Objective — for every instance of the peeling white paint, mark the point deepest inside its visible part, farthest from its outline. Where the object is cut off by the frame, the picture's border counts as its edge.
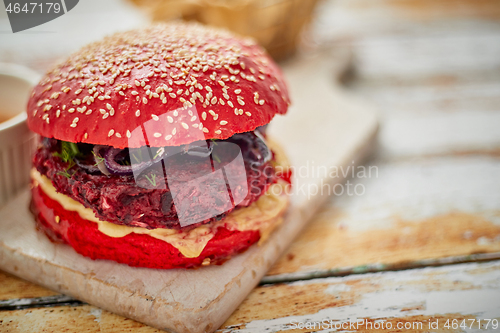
(335, 289)
(415, 191)
(399, 290)
(96, 312)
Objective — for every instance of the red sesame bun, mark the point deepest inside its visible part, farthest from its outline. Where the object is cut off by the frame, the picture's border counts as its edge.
(179, 82)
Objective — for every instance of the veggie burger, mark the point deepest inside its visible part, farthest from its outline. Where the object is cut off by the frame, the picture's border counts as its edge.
(153, 149)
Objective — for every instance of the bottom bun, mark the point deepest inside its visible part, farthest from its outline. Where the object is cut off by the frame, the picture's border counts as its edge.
(143, 250)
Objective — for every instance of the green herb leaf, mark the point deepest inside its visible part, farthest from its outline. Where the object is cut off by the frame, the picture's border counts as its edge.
(152, 180)
(159, 152)
(98, 159)
(69, 150)
(66, 174)
(132, 154)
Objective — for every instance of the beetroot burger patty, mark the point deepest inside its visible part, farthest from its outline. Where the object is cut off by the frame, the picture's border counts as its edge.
(153, 149)
(121, 199)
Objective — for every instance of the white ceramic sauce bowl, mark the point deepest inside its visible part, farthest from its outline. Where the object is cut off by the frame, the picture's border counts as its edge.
(16, 140)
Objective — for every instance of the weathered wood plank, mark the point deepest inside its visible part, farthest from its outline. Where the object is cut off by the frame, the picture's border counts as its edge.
(39, 302)
(369, 18)
(466, 291)
(407, 211)
(86, 318)
(431, 68)
(12, 287)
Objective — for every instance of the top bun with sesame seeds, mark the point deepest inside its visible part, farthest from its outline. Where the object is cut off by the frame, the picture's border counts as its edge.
(172, 84)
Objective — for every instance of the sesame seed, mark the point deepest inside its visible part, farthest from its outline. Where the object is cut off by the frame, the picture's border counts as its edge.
(111, 132)
(118, 135)
(204, 115)
(137, 113)
(223, 122)
(174, 131)
(205, 129)
(193, 118)
(145, 100)
(168, 137)
(184, 125)
(230, 104)
(248, 114)
(157, 135)
(155, 117)
(218, 132)
(237, 91)
(106, 115)
(71, 110)
(261, 102)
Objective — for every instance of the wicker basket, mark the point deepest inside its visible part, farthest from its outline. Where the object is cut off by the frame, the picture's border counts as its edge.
(275, 24)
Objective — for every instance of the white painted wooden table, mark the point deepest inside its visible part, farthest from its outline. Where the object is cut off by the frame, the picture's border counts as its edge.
(422, 243)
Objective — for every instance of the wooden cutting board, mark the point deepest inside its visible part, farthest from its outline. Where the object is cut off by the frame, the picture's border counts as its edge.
(325, 127)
